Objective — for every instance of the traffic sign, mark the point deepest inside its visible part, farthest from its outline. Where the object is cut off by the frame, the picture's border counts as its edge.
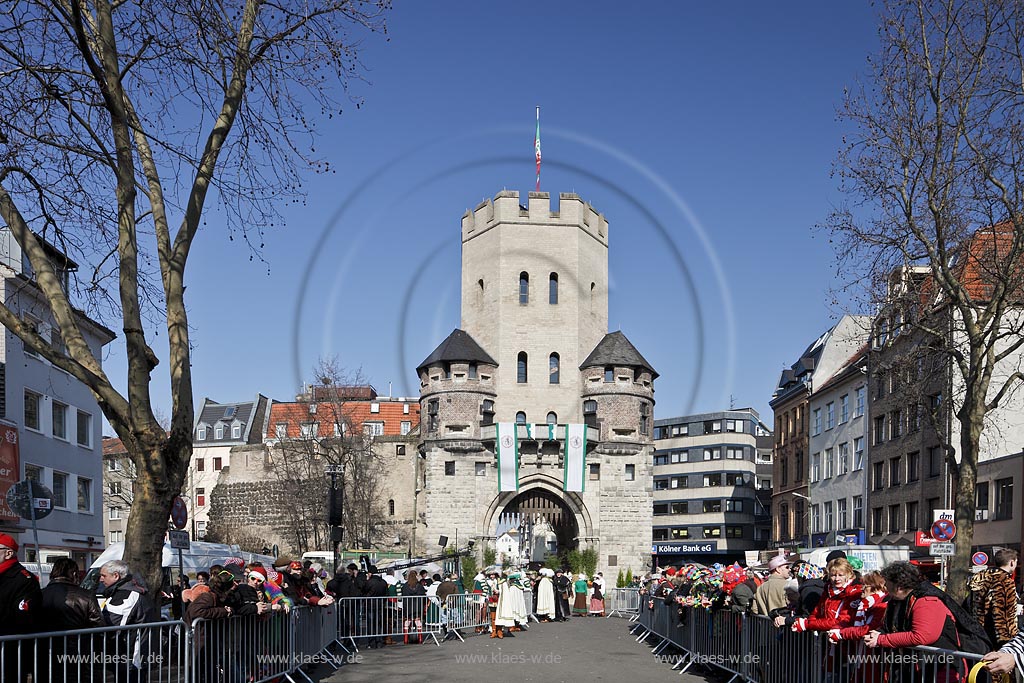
(944, 530)
(942, 549)
(18, 497)
(980, 559)
(179, 540)
(943, 514)
(179, 513)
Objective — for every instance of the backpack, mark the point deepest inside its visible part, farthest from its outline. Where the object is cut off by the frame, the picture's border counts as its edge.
(972, 636)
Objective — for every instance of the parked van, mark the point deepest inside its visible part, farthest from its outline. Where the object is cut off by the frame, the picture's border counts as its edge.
(874, 557)
(197, 558)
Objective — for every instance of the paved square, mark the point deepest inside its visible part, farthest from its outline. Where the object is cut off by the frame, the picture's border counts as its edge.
(584, 649)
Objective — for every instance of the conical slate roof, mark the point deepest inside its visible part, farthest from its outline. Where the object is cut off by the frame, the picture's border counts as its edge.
(615, 349)
(457, 347)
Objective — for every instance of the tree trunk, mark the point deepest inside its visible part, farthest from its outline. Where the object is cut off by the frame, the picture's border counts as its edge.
(971, 418)
(154, 490)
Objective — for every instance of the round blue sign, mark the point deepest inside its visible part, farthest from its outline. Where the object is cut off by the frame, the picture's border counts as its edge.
(979, 559)
(943, 530)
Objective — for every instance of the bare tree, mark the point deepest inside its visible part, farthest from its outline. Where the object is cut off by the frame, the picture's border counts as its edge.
(331, 434)
(934, 176)
(121, 120)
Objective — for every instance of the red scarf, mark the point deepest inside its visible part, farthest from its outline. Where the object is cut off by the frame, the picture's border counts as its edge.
(7, 564)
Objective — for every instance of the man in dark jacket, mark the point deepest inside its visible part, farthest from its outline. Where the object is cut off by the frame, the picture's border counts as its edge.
(376, 591)
(65, 604)
(125, 602)
(562, 587)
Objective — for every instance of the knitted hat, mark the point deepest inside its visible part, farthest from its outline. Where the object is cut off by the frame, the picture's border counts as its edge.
(806, 570)
(8, 542)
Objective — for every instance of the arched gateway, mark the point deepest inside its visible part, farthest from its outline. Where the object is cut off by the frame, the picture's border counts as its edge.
(541, 501)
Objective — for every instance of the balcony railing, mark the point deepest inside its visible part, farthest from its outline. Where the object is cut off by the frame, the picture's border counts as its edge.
(535, 432)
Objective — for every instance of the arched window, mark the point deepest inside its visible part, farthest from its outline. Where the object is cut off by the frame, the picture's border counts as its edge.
(391, 507)
(552, 418)
(553, 288)
(520, 418)
(524, 287)
(521, 368)
(553, 368)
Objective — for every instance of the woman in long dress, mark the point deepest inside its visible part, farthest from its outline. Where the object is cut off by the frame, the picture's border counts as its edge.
(597, 597)
(579, 587)
(545, 595)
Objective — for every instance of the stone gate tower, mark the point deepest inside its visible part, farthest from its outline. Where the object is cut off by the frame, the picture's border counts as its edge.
(534, 348)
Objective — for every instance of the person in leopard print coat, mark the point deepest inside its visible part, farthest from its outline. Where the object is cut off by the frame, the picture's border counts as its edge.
(994, 597)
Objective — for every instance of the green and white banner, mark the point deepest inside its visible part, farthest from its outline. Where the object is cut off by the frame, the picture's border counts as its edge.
(540, 432)
(574, 474)
(507, 445)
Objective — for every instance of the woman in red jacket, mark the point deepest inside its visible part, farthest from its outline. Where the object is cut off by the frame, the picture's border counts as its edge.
(836, 609)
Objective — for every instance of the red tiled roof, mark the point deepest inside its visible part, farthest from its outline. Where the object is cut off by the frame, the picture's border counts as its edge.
(352, 413)
(113, 446)
(985, 261)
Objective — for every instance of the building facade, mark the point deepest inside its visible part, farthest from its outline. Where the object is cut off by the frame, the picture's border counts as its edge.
(839, 449)
(57, 418)
(706, 503)
(534, 349)
(791, 406)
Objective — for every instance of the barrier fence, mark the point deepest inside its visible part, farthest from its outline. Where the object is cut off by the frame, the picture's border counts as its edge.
(622, 602)
(752, 649)
(276, 645)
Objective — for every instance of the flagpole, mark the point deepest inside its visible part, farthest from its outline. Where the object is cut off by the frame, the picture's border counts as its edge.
(536, 148)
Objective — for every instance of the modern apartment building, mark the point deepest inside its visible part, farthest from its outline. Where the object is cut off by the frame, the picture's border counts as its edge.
(706, 503)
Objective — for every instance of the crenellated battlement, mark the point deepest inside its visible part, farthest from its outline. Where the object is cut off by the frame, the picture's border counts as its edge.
(506, 208)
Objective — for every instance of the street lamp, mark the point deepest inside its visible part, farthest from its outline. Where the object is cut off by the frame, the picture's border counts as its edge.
(336, 508)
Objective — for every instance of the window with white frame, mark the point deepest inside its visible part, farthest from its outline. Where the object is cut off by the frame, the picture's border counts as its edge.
(817, 421)
(406, 427)
(858, 453)
(83, 429)
(844, 408)
(218, 432)
(830, 415)
(59, 424)
(734, 453)
(712, 454)
(374, 407)
(844, 457)
(236, 431)
(828, 516)
(116, 536)
(114, 513)
(373, 428)
(860, 397)
(815, 467)
(60, 490)
(827, 464)
(308, 430)
(816, 519)
(84, 494)
(841, 514)
(201, 433)
(281, 430)
(32, 401)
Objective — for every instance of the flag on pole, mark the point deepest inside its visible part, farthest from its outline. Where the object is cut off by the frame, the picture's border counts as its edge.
(508, 457)
(575, 460)
(536, 148)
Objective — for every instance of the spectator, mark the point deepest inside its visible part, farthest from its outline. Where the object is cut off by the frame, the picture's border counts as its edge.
(376, 588)
(742, 596)
(213, 603)
(916, 615)
(811, 580)
(994, 598)
(1009, 657)
(19, 592)
(870, 616)
(771, 594)
(211, 606)
(446, 588)
(839, 604)
(126, 603)
(65, 604)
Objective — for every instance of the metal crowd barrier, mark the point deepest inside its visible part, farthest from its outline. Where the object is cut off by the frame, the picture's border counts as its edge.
(465, 612)
(250, 648)
(622, 602)
(119, 654)
(371, 620)
(753, 650)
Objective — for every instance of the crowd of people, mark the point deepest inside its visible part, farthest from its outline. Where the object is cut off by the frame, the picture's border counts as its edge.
(896, 607)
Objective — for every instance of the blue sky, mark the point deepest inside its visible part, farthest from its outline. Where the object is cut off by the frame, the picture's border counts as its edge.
(705, 132)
